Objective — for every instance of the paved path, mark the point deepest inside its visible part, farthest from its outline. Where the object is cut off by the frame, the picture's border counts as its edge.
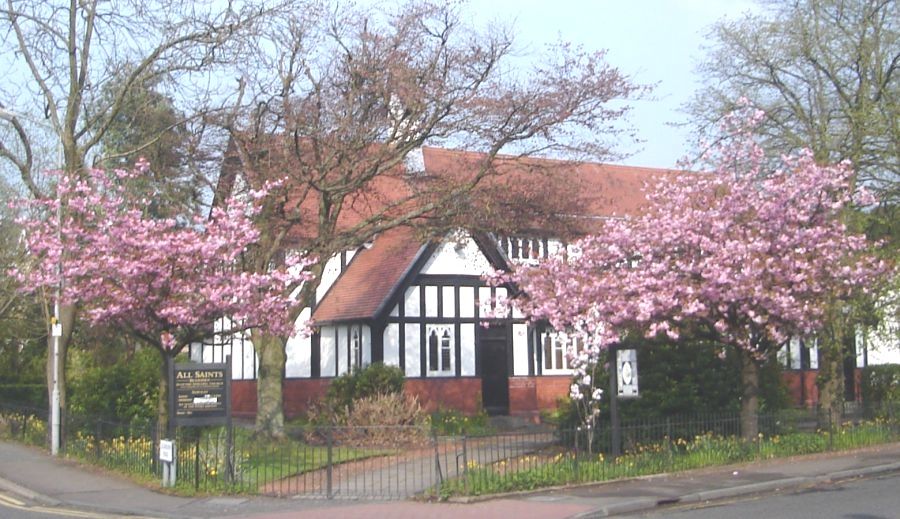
(38, 478)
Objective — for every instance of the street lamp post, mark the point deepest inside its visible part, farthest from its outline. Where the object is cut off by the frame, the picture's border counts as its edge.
(56, 330)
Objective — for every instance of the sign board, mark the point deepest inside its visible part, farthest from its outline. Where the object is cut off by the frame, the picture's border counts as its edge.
(166, 451)
(56, 330)
(626, 371)
(201, 393)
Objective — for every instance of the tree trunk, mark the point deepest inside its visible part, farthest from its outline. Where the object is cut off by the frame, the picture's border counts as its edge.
(830, 381)
(749, 395)
(269, 396)
(162, 401)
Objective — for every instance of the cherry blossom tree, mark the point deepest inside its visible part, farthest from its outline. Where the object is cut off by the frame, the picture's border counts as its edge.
(167, 281)
(748, 256)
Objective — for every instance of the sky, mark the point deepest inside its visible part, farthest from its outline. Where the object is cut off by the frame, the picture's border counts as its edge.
(653, 41)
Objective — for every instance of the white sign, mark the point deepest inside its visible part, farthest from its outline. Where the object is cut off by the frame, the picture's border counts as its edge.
(57, 330)
(626, 370)
(167, 451)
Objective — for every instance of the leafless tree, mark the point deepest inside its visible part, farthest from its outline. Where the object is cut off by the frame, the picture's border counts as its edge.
(73, 66)
(352, 94)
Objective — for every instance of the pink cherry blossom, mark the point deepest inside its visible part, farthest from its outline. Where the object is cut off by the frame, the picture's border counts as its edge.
(166, 280)
(750, 254)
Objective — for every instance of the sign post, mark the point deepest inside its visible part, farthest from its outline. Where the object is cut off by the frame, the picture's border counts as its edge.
(169, 467)
(199, 394)
(623, 383)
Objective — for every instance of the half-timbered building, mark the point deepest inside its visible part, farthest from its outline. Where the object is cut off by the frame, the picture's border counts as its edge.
(423, 304)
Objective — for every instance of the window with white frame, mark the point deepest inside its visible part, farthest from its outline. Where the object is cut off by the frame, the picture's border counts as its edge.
(440, 349)
(555, 347)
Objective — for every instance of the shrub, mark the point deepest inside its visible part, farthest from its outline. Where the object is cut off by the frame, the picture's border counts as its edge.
(379, 379)
(124, 392)
(374, 379)
(377, 420)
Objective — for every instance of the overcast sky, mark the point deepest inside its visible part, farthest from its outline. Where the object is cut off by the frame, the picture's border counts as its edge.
(654, 41)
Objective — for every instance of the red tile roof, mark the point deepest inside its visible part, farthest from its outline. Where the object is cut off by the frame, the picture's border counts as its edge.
(578, 191)
(370, 277)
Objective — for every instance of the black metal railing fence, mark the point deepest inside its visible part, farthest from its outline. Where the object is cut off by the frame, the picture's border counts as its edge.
(385, 462)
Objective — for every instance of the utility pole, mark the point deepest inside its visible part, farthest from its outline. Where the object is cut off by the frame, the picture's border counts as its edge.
(56, 330)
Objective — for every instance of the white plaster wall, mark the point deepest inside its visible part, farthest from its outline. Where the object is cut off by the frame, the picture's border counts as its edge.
(411, 356)
(411, 302)
(392, 344)
(329, 275)
(883, 341)
(449, 301)
(467, 349)
(341, 349)
(520, 349)
(467, 302)
(366, 333)
(484, 300)
(248, 360)
(299, 350)
(327, 353)
(458, 254)
(431, 301)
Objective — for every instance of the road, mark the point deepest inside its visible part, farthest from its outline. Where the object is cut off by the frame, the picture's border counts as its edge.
(869, 498)
(12, 507)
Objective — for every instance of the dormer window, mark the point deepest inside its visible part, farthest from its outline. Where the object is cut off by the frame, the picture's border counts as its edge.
(524, 247)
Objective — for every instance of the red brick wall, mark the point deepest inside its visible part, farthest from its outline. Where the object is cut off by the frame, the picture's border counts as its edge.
(463, 394)
(801, 386)
(243, 398)
(523, 399)
(527, 395)
(298, 393)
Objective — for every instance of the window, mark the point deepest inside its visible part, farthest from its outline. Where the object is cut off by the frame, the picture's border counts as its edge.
(555, 347)
(440, 349)
(522, 248)
(355, 349)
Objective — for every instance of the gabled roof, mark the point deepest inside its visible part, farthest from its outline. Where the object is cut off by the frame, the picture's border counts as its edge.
(370, 278)
(521, 194)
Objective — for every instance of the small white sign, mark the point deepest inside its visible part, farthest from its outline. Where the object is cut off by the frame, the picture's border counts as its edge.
(167, 450)
(626, 370)
(57, 330)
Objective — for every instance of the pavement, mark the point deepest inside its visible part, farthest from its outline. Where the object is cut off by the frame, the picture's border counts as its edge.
(30, 477)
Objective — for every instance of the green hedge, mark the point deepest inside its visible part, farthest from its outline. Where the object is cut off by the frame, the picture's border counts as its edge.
(881, 384)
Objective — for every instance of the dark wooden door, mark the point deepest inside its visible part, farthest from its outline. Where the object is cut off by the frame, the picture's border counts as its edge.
(494, 347)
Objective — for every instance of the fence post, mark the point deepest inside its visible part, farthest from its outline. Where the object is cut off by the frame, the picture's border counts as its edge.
(575, 466)
(439, 478)
(669, 441)
(830, 430)
(98, 433)
(465, 465)
(329, 441)
(229, 452)
(197, 462)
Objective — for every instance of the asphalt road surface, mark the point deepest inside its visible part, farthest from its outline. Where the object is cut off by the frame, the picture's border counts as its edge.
(869, 498)
(12, 507)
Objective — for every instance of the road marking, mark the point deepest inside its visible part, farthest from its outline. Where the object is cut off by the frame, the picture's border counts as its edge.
(11, 502)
